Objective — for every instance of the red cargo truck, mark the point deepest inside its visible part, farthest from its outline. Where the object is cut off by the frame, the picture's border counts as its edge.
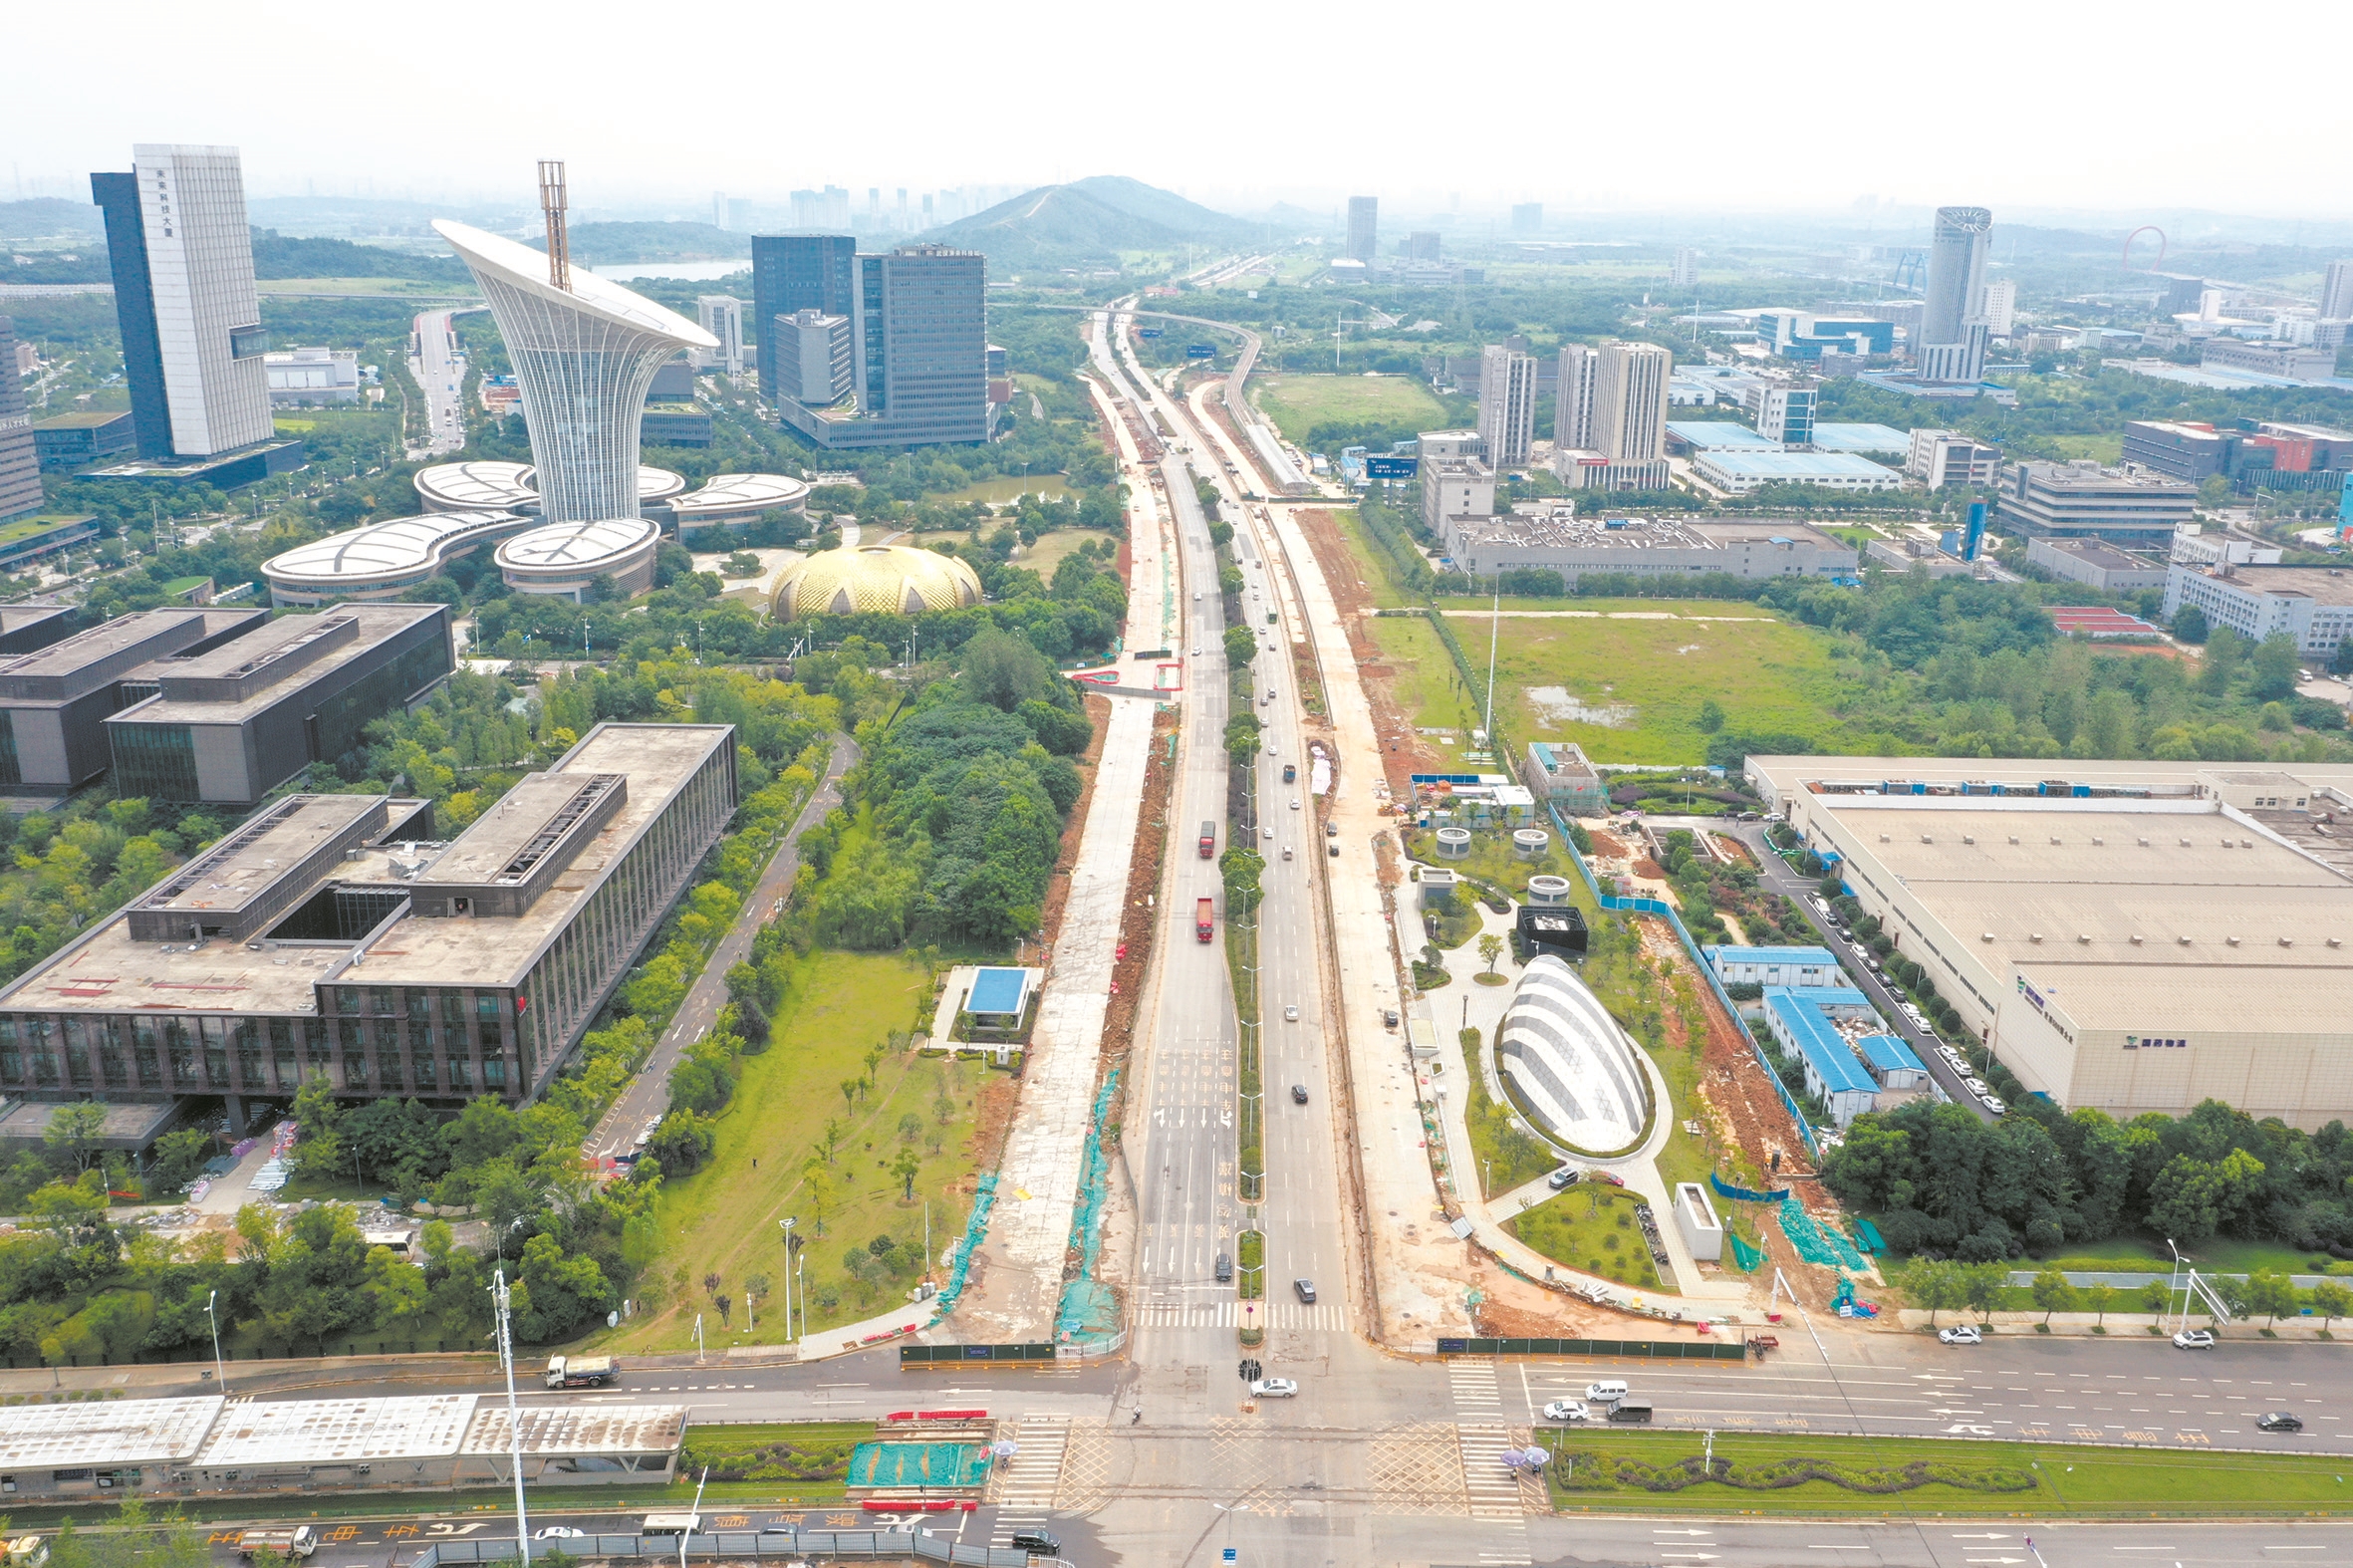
(1205, 919)
(1208, 840)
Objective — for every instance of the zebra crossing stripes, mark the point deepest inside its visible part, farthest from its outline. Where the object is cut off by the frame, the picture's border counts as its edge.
(1228, 1313)
(1492, 1485)
(1024, 1487)
(1475, 1393)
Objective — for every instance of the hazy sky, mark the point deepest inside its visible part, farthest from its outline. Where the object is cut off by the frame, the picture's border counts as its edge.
(2055, 102)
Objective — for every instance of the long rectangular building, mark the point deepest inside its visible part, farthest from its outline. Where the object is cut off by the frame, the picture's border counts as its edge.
(55, 699)
(337, 934)
(1559, 538)
(2131, 936)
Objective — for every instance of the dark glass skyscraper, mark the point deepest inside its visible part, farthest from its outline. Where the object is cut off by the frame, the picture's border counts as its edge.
(919, 336)
(793, 272)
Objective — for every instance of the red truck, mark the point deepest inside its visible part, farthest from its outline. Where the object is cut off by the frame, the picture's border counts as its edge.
(1205, 919)
(1208, 840)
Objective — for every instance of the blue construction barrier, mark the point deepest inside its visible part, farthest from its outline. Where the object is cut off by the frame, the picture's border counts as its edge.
(1615, 904)
(1725, 1189)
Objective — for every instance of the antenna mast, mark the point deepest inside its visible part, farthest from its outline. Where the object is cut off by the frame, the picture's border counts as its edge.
(552, 201)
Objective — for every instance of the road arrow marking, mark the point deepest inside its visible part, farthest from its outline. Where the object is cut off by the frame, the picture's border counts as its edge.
(1959, 1536)
(1974, 1432)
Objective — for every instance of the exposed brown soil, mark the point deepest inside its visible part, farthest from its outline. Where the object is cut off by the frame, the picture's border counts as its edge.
(1646, 867)
(1138, 918)
(1608, 846)
(1732, 849)
(992, 1119)
(1404, 753)
(1734, 1082)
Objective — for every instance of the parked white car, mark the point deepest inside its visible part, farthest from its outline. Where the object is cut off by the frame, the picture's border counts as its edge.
(1567, 1411)
(1963, 1334)
(2194, 1339)
(1274, 1389)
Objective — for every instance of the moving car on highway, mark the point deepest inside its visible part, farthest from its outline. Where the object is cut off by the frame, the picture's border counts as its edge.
(2194, 1339)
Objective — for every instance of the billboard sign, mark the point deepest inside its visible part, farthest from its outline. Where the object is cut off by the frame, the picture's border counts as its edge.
(1391, 468)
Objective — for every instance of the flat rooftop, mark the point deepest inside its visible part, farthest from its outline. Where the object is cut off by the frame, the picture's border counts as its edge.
(328, 1431)
(263, 662)
(109, 972)
(1832, 436)
(1747, 464)
(2095, 553)
(2327, 585)
(248, 864)
(112, 1434)
(101, 642)
(578, 1429)
(127, 1126)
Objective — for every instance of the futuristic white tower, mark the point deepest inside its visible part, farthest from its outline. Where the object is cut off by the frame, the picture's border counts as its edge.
(584, 352)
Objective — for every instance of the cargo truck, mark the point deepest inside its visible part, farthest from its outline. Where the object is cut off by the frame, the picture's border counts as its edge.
(1290, 772)
(297, 1541)
(581, 1372)
(1205, 919)
(1208, 840)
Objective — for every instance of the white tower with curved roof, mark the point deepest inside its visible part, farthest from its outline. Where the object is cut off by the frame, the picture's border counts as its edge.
(584, 357)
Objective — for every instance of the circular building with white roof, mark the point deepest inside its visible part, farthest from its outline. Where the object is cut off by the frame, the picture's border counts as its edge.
(1570, 1065)
(875, 579)
(740, 498)
(658, 486)
(383, 560)
(563, 559)
(476, 487)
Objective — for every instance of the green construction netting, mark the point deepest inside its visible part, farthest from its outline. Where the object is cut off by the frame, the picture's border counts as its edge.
(1818, 1243)
(1745, 1258)
(1089, 1309)
(1866, 1236)
(917, 1464)
(960, 1262)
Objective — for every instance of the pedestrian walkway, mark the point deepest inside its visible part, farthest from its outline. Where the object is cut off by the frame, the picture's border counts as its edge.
(1228, 1313)
(1023, 1486)
(1493, 1488)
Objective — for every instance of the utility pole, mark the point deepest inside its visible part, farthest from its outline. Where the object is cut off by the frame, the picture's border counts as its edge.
(514, 1420)
(1494, 630)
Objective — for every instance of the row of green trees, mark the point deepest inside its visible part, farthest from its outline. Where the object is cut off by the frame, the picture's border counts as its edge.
(1942, 1285)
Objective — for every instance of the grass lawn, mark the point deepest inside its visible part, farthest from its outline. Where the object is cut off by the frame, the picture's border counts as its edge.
(1592, 1228)
(1507, 1157)
(1492, 859)
(1366, 559)
(1048, 553)
(2107, 449)
(723, 1218)
(1631, 690)
(996, 492)
(2070, 1479)
(1297, 403)
(2138, 1254)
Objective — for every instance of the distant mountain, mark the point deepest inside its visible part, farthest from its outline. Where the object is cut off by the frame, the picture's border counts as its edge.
(275, 255)
(50, 218)
(1090, 221)
(610, 244)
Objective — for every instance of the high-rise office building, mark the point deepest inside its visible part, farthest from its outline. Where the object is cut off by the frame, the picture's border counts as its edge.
(1786, 414)
(1629, 402)
(1950, 347)
(20, 451)
(918, 344)
(2336, 292)
(1684, 273)
(813, 359)
(2002, 306)
(1572, 405)
(190, 318)
(718, 209)
(793, 272)
(1507, 404)
(721, 315)
(1364, 227)
(1527, 217)
(1421, 245)
(585, 351)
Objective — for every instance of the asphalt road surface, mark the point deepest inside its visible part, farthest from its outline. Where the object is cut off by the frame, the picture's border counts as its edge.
(642, 1103)
(439, 369)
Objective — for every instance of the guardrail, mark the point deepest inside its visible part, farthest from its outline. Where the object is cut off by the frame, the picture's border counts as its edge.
(780, 1543)
(1652, 1349)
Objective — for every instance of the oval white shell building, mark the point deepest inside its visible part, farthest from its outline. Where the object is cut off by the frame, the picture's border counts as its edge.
(563, 559)
(1570, 1063)
(739, 498)
(383, 560)
(484, 486)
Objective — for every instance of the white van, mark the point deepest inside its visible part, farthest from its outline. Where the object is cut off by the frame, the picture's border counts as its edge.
(1607, 1392)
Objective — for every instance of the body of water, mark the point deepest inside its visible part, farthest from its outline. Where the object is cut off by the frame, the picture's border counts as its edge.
(691, 270)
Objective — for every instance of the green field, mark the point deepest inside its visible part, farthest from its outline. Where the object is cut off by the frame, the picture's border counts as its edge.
(2069, 1480)
(1591, 1227)
(998, 492)
(723, 1218)
(1298, 404)
(1628, 690)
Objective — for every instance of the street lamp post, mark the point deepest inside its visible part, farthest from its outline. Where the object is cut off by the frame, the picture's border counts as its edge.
(220, 1373)
(787, 1225)
(514, 1420)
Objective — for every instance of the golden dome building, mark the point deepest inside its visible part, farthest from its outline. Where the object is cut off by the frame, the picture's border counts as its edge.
(875, 579)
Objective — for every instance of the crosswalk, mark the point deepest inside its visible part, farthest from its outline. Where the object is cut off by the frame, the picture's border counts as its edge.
(1023, 1488)
(1476, 1396)
(1228, 1313)
(1493, 1490)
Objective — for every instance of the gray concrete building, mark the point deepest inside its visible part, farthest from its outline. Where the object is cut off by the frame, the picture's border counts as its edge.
(20, 453)
(1455, 478)
(2082, 500)
(1553, 536)
(57, 695)
(1364, 227)
(341, 936)
(1507, 404)
(918, 344)
(2096, 565)
(231, 723)
(813, 361)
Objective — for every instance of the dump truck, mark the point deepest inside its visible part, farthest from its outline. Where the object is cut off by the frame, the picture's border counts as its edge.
(1205, 919)
(581, 1372)
(1290, 772)
(1208, 840)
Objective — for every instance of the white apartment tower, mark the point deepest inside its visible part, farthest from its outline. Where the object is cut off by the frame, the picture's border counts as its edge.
(721, 316)
(1629, 402)
(1572, 405)
(1950, 347)
(1684, 273)
(2002, 306)
(2336, 292)
(1507, 405)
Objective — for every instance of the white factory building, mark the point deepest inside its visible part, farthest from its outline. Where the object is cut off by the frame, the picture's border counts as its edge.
(1556, 536)
(2131, 936)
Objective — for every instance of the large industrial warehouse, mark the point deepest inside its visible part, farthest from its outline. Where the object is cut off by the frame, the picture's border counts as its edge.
(2131, 936)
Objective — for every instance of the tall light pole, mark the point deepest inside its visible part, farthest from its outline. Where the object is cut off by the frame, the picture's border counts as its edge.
(514, 1419)
(787, 1224)
(2169, 1289)
(220, 1374)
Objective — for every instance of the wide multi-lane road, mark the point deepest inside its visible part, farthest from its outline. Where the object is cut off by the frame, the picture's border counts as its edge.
(438, 367)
